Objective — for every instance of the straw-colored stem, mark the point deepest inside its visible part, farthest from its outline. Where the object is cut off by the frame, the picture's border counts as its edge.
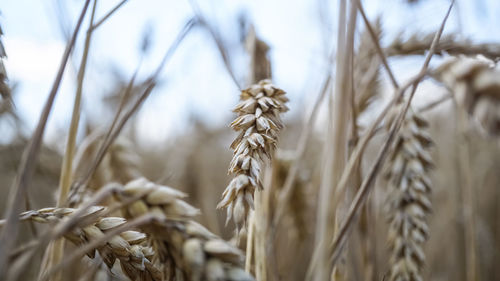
(468, 194)
(335, 144)
(30, 157)
(362, 193)
(56, 250)
(108, 15)
(249, 253)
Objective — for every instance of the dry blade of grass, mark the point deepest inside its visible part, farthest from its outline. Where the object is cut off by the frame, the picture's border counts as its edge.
(108, 15)
(113, 134)
(365, 83)
(218, 41)
(55, 251)
(30, 157)
(335, 144)
(375, 39)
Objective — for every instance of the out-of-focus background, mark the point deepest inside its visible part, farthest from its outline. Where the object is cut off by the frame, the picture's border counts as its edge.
(180, 135)
(300, 34)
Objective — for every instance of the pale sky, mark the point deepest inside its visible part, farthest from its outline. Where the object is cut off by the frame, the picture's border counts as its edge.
(195, 80)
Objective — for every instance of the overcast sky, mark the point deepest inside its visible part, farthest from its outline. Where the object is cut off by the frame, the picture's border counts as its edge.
(195, 81)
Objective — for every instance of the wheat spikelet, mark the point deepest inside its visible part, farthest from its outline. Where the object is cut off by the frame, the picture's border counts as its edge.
(409, 188)
(127, 247)
(258, 122)
(179, 242)
(476, 85)
(419, 44)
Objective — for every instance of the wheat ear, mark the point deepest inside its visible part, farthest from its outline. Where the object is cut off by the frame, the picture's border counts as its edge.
(409, 188)
(451, 44)
(258, 122)
(476, 85)
(182, 246)
(127, 247)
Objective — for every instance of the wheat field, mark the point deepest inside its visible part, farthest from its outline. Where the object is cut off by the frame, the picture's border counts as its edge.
(359, 183)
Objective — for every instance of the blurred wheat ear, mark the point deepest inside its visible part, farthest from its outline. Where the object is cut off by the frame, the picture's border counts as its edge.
(408, 191)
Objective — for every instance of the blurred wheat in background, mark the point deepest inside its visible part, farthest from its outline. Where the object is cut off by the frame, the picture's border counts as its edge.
(345, 140)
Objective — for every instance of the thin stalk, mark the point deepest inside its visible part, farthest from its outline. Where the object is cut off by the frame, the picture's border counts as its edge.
(30, 158)
(468, 195)
(334, 152)
(249, 253)
(377, 44)
(118, 126)
(55, 251)
(339, 241)
(300, 152)
(343, 93)
(109, 14)
(218, 41)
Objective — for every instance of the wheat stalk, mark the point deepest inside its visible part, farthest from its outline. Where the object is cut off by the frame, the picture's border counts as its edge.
(258, 123)
(183, 247)
(127, 247)
(409, 188)
(366, 82)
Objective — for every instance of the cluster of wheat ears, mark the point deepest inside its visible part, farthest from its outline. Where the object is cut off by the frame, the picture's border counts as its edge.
(123, 226)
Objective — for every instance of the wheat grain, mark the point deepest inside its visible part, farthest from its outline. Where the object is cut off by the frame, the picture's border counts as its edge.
(409, 188)
(258, 122)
